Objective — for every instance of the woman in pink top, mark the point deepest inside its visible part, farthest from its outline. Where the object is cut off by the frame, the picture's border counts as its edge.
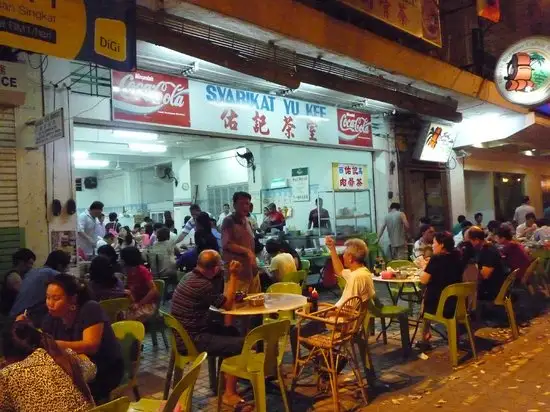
(146, 235)
(143, 291)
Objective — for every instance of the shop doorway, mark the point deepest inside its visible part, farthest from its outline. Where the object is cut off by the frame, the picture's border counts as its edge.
(509, 190)
(426, 196)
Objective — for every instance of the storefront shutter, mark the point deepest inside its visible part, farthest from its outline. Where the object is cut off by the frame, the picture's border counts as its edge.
(10, 234)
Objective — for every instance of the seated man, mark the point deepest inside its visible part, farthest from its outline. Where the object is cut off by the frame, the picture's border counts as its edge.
(358, 281)
(161, 256)
(32, 293)
(23, 261)
(489, 263)
(513, 253)
(527, 229)
(200, 289)
(281, 263)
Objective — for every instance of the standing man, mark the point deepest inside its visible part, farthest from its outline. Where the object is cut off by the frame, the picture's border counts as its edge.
(478, 217)
(226, 212)
(113, 223)
(319, 217)
(238, 243)
(87, 226)
(521, 211)
(195, 211)
(398, 225)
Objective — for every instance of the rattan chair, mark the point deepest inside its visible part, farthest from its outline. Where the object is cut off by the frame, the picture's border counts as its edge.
(341, 326)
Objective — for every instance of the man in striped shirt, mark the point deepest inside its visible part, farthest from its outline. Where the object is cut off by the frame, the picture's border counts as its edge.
(200, 289)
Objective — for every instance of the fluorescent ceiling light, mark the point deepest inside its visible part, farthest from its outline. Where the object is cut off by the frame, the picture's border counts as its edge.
(478, 145)
(147, 148)
(135, 134)
(90, 163)
(80, 155)
(528, 153)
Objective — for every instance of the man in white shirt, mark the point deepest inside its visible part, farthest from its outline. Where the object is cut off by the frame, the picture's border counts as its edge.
(521, 211)
(358, 282)
(528, 228)
(358, 278)
(281, 263)
(226, 212)
(87, 227)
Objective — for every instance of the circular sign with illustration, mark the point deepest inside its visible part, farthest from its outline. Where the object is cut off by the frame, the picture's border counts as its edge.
(522, 74)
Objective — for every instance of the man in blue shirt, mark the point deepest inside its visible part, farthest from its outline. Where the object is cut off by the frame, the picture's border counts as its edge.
(32, 294)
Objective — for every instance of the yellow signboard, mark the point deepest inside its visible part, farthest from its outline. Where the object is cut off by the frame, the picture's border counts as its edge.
(94, 30)
(417, 17)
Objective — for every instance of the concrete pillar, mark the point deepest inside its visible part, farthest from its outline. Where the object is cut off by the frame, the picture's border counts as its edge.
(183, 193)
(457, 190)
(31, 168)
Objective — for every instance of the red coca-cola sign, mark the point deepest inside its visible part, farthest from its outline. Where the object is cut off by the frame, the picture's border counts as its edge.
(151, 98)
(354, 128)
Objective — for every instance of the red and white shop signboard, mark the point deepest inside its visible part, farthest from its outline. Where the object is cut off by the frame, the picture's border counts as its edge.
(151, 98)
(354, 128)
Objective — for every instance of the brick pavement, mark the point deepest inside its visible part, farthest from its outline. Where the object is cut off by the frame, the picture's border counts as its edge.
(504, 378)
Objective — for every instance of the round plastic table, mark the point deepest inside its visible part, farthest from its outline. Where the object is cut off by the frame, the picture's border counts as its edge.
(274, 302)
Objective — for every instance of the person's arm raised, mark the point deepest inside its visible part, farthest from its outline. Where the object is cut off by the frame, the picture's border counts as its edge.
(336, 262)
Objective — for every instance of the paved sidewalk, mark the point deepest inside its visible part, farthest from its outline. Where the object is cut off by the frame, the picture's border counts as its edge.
(507, 376)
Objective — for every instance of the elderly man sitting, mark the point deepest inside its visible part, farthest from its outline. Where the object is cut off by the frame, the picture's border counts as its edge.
(201, 288)
(358, 282)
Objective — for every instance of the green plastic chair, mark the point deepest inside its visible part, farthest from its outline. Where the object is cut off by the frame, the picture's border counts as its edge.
(256, 366)
(118, 405)
(504, 299)
(156, 323)
(130, 334)
(306, 265)
(179, 361)
(375, 309)
(114, 307)
(182, 393)
(461, 291)
(298, 277)
(283, 287)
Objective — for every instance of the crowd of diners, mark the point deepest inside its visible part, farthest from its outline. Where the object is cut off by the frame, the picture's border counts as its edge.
(55, 326)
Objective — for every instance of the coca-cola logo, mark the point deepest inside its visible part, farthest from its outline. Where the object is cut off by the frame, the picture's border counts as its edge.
(160, 93)
(351, 124)
(355, 128)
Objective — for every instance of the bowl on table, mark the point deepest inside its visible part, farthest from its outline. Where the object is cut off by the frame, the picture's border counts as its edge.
(256, 301)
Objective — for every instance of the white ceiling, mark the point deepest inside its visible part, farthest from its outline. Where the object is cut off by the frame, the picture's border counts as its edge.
(102, 144)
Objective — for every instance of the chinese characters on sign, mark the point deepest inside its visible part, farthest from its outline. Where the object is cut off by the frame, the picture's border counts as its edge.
(300, 185)
(348, 177)
(417, 17)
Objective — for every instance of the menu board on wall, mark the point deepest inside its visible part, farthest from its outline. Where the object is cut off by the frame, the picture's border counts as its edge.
(349, 177)
(300, 184)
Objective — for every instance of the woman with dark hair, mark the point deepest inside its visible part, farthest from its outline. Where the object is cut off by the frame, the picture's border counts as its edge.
(492, 228)
(103, 282)
(204, 238)
(284, 247)
(78, 323)
(444, 268)
(40, 376)
(125, 238)
(143, 291)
